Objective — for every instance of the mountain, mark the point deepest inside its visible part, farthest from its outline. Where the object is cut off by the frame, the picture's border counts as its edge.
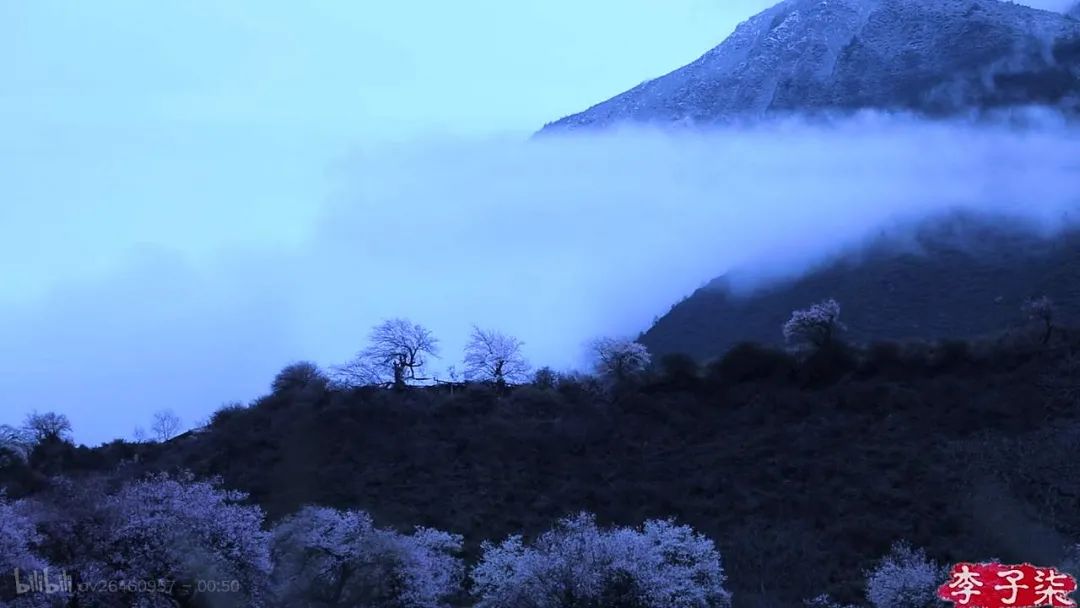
(934, 57)
(956, 279)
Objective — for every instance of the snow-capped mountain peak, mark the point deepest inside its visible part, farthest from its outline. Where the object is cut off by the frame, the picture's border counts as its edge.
(933, 56)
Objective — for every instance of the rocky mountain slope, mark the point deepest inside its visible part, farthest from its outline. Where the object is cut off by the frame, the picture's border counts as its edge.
(935, 57)
(957, 279)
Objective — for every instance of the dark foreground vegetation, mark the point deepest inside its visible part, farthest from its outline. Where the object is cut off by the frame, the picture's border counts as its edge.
(804, 469)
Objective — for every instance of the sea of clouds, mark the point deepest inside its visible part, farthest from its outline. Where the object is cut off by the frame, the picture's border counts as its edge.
(187, 301)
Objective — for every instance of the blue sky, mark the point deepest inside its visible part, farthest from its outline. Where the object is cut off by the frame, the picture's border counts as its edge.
(363, 68)
(196, 193)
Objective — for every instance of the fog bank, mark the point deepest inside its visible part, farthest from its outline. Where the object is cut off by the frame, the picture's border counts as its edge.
(555, 240)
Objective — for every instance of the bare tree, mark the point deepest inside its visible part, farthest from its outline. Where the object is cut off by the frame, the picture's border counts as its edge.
(397, 355)
(1042, 311)
(817, 325)
(619, 358)
(490, 355)
(49, 426)
(166, 425)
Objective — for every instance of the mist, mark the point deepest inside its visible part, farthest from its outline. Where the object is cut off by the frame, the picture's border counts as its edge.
(555, 240)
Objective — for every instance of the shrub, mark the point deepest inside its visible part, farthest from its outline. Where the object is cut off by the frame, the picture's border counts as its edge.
(533, 401)
(827, 365)
(951, 355)
(679, 370)
(580, 388)
(577, 565)
(545, 378)
(227, 413)
(882, 358)
(302, 375)
(747, 362)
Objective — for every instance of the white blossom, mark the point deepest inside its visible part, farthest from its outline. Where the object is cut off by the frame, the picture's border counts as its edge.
(490, 355)
(182, 530)
(905, 578)
(661, 565)
(327, 557)
(619, 358)
(817, 325)
(18, 538)
(398, 354)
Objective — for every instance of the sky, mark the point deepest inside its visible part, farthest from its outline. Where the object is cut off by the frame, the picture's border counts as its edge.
(197, 193)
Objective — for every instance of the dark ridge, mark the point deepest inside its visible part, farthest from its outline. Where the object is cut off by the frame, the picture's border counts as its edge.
(953, 281)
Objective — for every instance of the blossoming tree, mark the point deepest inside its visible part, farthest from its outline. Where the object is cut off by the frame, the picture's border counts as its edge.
(660, 565)
(327, 557)
(816, 326)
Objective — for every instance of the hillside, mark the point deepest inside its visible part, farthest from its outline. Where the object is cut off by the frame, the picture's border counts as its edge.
(804, 56)
(954, 280)
(811, 467)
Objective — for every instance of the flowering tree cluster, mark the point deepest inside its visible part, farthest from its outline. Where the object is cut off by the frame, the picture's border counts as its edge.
(18, 536)
(196, 538)
(661, 565)
(618, 358)
(327, 557)
(816, 326)
(185, 530)
(157, 543)
(905, 578)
